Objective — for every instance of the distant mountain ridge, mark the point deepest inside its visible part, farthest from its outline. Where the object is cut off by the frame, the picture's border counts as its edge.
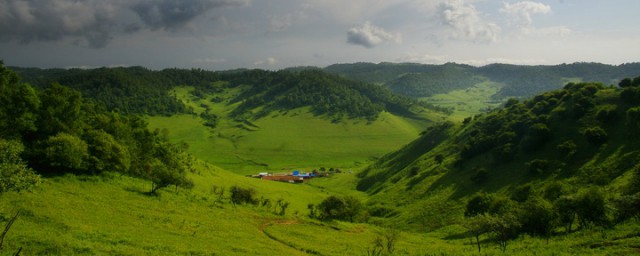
(422, 80)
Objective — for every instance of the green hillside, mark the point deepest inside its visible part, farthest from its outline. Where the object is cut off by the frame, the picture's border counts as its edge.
(286, 139)
(574, 147)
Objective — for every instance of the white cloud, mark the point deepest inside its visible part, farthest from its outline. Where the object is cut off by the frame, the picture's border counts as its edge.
(521, 12)
(520, 16)
(466, 22)
(266, 62)
(423, 58)
(369, 36)
(483, 62)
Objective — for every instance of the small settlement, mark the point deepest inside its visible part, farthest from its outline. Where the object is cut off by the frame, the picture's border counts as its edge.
(293, 177)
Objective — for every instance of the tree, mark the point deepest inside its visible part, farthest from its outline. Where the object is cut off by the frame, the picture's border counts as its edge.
(333, 207)
(18, 105)
(625, 83)
(537, 217)
(627, 207)
(478, 204)
(15, 175)
(504, 228)
(106, 154)
(566, 210)
(66, 152)
(161, 176)
(352, 207)
(635, 82)
(61, 111)
(596, 135)
(567, 149)
(477, 226)
(243, 195)
(591, 208)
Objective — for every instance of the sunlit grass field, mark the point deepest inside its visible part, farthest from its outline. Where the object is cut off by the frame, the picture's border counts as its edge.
(468, 102)
(112, 215)
(284, 141)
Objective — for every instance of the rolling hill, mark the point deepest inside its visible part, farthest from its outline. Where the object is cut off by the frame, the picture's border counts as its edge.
(561, 144)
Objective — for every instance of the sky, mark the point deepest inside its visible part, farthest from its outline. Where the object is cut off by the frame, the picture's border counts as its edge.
(274, 34)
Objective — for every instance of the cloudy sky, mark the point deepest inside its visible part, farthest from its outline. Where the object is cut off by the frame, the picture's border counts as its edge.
(272, 34)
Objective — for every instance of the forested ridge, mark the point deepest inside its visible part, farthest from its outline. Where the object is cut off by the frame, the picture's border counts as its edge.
(326, 94)
(131, 90)
(136, 90)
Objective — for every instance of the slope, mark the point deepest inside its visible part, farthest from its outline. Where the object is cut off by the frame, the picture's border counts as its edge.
(557, 144)
(285, 139)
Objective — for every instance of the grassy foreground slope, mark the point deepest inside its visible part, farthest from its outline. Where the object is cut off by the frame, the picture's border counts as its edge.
(111, 215)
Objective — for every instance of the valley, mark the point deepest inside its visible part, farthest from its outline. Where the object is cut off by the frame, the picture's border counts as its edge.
(415, 167)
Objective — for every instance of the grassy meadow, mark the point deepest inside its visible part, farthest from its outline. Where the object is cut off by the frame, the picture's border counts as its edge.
(468, 102)
(288, 140)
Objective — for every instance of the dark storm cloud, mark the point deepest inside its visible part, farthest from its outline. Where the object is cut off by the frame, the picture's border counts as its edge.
(171, 14)
(96, 22)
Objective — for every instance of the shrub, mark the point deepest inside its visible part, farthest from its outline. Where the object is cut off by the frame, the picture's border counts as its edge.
(537, 166)
(480, 175)
(66, 151)
(333, 207)
(243, 195)
(607, 114)
(596, 135)
(15, 175)
(478, 204)
(567, 148)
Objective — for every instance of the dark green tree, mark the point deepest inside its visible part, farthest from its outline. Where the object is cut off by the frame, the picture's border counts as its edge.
(478, 204)
(537, 217)
(19, 104)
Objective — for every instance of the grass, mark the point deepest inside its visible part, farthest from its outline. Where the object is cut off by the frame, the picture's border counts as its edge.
(286, 140)
(468, 102)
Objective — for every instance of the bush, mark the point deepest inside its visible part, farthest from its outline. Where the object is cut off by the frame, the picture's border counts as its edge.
(537, 166)
(480, 175)
(66, 151)
(479, 204)
(567, 148)
(333, 207)
(243, 195)
(607, 114)
(591, 208)
(537, 217)
(596, 135)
